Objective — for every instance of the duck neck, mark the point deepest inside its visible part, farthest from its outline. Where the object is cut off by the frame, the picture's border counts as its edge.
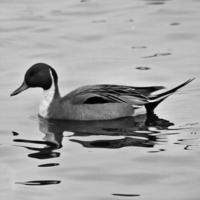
(52, 93)
(54, 85)
(50, 100)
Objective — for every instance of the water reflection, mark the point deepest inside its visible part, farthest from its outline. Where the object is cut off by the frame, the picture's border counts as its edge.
(126, 195)
(45, 152)
(132, 131)
(49, 165)
(39, 182)
(156, 2)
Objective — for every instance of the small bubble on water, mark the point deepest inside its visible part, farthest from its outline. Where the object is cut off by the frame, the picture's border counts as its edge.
(143, 68)
(131, 20)
(139, 47)
(175, 23)
(99, 21)
(15, 133)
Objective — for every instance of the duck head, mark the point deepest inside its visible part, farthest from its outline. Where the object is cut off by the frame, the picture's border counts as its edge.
(38, 75)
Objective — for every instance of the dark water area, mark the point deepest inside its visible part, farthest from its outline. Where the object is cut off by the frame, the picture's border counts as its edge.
(139, 43)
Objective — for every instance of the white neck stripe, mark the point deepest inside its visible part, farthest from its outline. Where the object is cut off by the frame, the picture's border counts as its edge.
(48, 96)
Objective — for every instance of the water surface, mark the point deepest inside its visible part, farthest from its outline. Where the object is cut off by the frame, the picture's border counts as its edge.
(140, 43)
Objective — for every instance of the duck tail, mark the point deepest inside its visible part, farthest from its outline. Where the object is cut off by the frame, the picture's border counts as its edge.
(157, 99)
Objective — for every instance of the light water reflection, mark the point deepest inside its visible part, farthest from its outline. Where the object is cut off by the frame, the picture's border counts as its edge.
(131, 131)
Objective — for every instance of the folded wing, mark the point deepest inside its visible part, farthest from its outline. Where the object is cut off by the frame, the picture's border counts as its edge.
(99, 94)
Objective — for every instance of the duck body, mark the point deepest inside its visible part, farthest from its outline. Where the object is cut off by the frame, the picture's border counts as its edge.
(80, 104)
(95, 102)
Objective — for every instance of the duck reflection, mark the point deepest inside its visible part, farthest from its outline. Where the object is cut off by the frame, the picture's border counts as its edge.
(45, 152)
(133, 131)
(130, 131)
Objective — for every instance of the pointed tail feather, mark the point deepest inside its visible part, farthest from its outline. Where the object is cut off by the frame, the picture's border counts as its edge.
(157, 99)
(148, 90)
(169, 92)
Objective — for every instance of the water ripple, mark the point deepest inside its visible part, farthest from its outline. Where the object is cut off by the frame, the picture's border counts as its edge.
(39, 182)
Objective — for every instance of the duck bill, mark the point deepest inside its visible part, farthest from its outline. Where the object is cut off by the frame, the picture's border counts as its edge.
(23, 87)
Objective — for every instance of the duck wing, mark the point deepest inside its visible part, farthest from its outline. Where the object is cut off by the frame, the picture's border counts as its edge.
(98, 94)
(134, 96)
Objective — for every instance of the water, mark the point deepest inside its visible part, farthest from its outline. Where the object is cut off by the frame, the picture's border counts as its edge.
(149, 42)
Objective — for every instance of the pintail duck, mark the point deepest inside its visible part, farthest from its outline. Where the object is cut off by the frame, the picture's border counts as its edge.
(95, 102)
